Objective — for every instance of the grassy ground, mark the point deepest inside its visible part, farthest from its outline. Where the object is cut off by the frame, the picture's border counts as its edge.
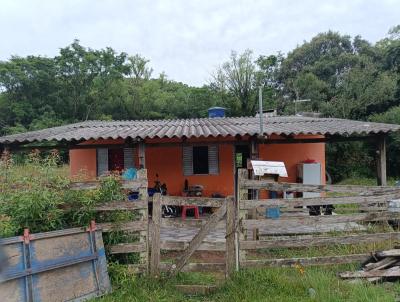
(275, 284)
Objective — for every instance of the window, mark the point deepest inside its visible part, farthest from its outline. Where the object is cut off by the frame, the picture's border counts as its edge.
(200, 160)
(116, 159)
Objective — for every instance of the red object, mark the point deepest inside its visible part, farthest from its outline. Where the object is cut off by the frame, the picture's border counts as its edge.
(196, 211)
(309, 161)
(27, 236)
(92, 226)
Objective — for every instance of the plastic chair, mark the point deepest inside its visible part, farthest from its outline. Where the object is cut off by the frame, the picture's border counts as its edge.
(196, 211)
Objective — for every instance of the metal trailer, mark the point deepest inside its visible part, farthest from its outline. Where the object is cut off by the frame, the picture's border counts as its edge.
(65, 265)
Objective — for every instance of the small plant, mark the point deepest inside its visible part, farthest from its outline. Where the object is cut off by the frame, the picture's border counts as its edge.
(110, 189)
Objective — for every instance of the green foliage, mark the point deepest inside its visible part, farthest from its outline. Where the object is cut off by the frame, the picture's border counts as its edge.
(347, 160)
(110, 189)
(35, 194)
(342, 76)
(391, 116)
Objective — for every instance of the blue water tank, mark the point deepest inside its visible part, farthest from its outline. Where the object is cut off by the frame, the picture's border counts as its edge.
(216, 112)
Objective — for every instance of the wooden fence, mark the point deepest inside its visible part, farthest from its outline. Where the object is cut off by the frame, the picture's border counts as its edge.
(139, 225)
(247, 229)
(296, 228)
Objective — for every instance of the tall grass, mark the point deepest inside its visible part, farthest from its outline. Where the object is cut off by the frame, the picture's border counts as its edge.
(252, 285)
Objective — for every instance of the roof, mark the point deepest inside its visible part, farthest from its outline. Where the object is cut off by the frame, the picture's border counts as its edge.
(202, 127)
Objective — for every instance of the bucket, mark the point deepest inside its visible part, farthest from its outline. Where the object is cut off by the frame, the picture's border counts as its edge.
(273, 213)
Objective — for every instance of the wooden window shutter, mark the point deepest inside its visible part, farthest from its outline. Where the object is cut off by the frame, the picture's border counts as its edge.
(102, 161)
(187, 153)
(129, 158)
(213, 162)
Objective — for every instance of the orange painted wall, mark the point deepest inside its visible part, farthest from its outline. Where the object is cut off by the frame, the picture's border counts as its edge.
(167, 163)
(82, 163)
(292, 154)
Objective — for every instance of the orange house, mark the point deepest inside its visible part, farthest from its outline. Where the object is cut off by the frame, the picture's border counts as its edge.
(165, 158)
(204, 151)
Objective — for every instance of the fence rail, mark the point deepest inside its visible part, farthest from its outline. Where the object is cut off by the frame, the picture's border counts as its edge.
(135, 184)
(317, 201)
(298, 187)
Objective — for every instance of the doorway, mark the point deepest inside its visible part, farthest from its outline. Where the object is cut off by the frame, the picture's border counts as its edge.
(242, 155)
(116, 159)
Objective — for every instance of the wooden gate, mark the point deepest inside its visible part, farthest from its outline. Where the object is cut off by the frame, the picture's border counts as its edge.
(226, 209)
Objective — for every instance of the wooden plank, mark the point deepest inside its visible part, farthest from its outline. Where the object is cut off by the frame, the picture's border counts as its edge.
(391, 272)
(388, 253)
(319, 241)
(195, 267)
(242, 214)
(313, 229)
(198, 239)
(126, 184)
(155, 235)
(198, 201)
(187, 223)
(193, 289)
(284, 262)
(292, 222)
(252, 213)
(125, 248)
(122, 206)
(182, 245)
(373, 209)
(385, 262)
(230, 254)
(318, 201)
(298, 187)
(132, 226)
(136, 184)
(179, 223)
(144, 213)
(381, 162)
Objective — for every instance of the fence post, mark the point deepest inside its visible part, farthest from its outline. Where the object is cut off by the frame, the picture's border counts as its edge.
(230, 257)
(242, 214)
(144, 213)
(381, 162)
(155, 236)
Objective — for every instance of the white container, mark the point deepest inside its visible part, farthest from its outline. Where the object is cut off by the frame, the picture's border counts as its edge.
(394, 205)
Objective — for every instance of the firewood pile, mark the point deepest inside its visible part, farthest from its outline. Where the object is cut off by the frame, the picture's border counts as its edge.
(381, 266)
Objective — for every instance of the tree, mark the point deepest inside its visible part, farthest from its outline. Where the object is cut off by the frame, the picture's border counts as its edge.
(87, 76)
(238, 77)
(138, 68)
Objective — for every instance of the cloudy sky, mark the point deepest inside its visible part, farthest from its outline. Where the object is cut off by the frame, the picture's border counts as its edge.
(186, 39)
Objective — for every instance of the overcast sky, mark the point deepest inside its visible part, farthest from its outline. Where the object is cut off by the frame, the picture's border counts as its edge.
(186, 39)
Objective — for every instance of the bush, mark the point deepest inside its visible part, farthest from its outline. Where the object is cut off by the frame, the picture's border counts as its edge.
(36, 195)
